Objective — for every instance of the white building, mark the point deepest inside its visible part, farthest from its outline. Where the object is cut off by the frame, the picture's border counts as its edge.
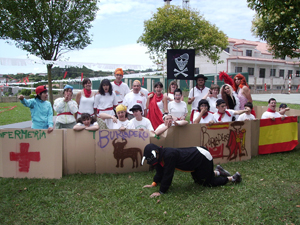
(255, 58)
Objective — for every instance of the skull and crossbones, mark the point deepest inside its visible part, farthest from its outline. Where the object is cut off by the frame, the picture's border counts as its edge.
(181, 62)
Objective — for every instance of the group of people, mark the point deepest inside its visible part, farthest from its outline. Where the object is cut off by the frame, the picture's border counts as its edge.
(115, 106)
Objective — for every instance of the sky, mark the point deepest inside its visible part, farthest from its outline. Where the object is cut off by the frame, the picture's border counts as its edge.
(120, 23)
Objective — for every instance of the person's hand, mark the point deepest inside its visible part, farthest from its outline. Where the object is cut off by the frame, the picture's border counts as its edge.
(272, 118)
(122, 128)
(148, 186)
(287, 109)
(142, 94)
(21, 97)
(192, 99)
(50, 129)
(169, 123)
(210, 123)
(282, 117)
(114, 119)
(155, 194)
(150, 96)
(182, 118)
(141, 129)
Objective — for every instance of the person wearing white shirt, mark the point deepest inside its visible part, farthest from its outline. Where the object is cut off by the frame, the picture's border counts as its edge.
(122, 121)
(86, 122)
(197, 93)
(65, 108)
(212, 97)
(168, 122)
(283, 108)
(271, 112)
(225, 115)
(247, 115)
(135, 98)
(203, 115)
(139, 122)
(177, 108)
(119, 88)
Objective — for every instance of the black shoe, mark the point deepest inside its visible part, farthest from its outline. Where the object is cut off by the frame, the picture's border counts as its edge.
(237, 177)
(222, 172)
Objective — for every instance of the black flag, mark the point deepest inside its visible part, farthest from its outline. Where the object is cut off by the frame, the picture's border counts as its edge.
(181, 64)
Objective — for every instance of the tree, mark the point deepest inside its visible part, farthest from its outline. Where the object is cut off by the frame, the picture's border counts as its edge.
(278, 23)
(47, 28)
(172, 27)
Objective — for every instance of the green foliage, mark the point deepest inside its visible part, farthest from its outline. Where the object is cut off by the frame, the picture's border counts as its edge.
(172, 27)
(25, 92)
(278, 23)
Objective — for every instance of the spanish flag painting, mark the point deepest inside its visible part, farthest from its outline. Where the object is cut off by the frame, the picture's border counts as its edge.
(278, 136)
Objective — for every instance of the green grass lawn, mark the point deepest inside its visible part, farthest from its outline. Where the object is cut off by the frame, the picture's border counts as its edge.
(268, 194)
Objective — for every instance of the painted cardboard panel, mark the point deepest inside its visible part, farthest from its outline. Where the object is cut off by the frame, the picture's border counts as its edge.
(255, 125)
(79, 152)
(120, 151)
(186, 136)
(31, 153)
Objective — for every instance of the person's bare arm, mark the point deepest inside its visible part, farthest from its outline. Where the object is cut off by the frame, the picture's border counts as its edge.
(165, 102)
(190, 100)
(246, 92)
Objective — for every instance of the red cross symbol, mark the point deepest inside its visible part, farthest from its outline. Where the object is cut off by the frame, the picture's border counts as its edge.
(24, 157)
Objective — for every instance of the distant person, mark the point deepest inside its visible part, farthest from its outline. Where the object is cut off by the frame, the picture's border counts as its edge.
(85, 99)
(271, 111)
(196, 160)
(135, 98)
(247, 115)
(139, 122)
(225, 115)
(197, 93)
(86, 122)
(170, 94)
(119, 88)
(230, 97)
(212, 96)
(177, 108)
(283, 108)
(65, 108)
(40, 109)
(203, 115)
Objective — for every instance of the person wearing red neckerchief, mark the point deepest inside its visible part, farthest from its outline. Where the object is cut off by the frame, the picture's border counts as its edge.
(271, 112)
(85, 99)
(203, 115)
(197, 93)
(224, 114)
(119, 88)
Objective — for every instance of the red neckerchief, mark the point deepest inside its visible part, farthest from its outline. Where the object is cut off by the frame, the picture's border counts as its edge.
(200, 89)
(205, 115)
(118, 84)
(158, 99)
(87, 93)
(270, 110)
(172, 93)
(222, 114)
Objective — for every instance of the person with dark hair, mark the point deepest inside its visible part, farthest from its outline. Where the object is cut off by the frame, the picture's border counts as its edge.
(85, 99)
(196, 160)
(139, 122)
(106, 101)
(86, 122)
(177, 108)
(203, 115)
(247, 115)
(156, 105)
(170, 94)
(212, 97)
(283, 108)
(119, 88)
(40, 109)
(197, 93)
(230, 97)
(225, 115)
(271, 112)
(122, 121)
(65, 108)
(168, 122)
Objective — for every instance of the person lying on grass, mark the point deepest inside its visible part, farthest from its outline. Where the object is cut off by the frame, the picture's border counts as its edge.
(196, 160)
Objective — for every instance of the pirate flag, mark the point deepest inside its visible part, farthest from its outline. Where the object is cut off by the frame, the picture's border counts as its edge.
(180, 64)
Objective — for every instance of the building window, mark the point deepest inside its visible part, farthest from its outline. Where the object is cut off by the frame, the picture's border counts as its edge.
(249, 53)
(227, 50)
(283, 58)
(281, 73)
(290, 73)
(272, 72)
(238, 69)
(297, 73)
(278, 87)
(262, 73)
(250, 71)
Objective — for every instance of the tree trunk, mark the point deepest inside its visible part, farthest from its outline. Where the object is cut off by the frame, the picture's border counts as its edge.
(49, 66)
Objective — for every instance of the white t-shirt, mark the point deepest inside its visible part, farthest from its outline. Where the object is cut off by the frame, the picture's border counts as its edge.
(198, 94)
(103, 102)
(207, 119)
(267, 114)
(132, 99)
(82, 125)
(120, 91)
(143, 124)
(120, 124)
(86, 105)
(212, 104)
(225, 118)
(244, 117)
(177, 109)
